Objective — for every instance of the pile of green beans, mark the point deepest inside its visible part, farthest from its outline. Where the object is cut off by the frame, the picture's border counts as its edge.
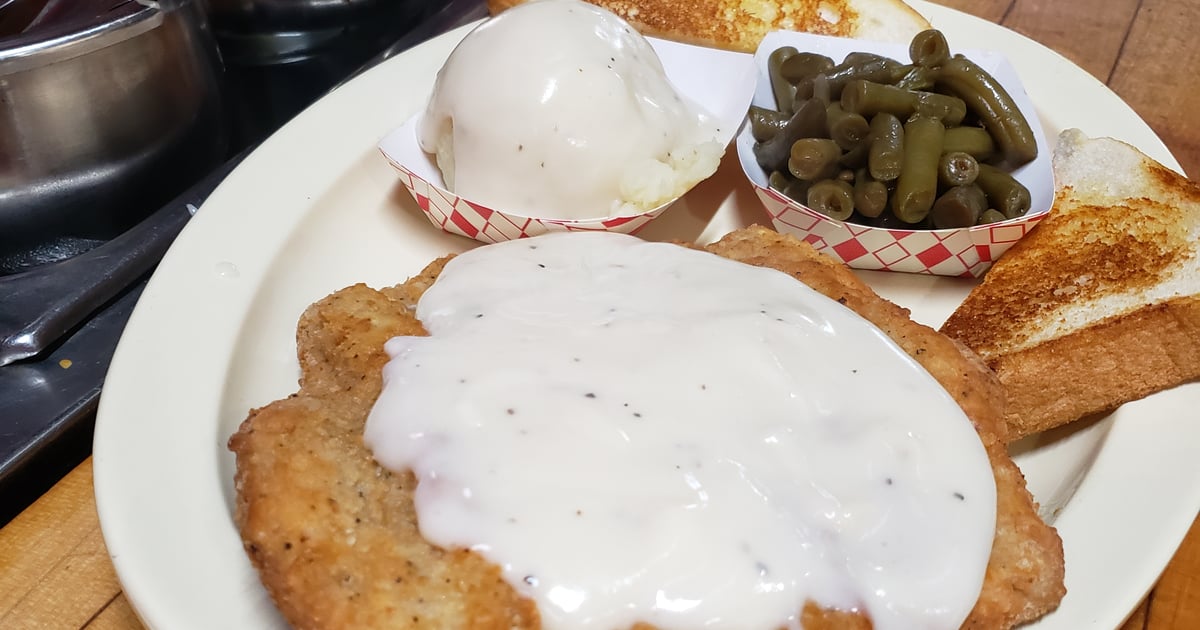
(923, 145)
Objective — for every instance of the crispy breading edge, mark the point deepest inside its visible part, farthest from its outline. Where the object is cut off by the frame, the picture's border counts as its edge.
(332, 534)
(334, 538)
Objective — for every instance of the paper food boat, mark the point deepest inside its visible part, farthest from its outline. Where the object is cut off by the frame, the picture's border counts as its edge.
(953, 252)
(721, 82)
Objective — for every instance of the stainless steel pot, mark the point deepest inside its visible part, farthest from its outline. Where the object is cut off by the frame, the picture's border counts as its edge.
(104, 115)
(260, 15)
(281, 55)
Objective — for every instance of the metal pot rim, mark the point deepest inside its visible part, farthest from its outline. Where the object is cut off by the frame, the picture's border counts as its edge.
(245, 17)
(32, 51)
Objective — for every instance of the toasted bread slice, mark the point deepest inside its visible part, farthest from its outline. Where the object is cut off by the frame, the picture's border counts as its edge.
(741, 24)
(1100, 303)
(334, 536)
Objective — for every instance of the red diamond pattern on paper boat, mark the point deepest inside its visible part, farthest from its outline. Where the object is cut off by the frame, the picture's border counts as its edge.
(965, 252)
(456, 215)
(891, 254)
(463, 224)
(998, 238)
(850, 250)
(934, 255)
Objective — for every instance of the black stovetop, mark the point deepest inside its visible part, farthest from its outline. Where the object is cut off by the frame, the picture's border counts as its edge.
(48, 402)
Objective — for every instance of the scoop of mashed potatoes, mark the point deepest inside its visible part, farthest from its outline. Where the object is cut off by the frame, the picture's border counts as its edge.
(560, 109)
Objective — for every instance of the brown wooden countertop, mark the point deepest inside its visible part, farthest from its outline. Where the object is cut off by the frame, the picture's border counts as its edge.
(55, 572)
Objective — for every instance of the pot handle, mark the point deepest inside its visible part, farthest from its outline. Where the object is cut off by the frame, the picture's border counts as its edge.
(44, 303)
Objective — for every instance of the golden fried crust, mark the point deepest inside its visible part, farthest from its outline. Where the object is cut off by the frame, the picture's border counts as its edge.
(740, 25)
(334, 536)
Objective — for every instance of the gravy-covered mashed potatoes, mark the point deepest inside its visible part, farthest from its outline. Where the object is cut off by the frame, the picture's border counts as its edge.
(559, 109)
(640, 432)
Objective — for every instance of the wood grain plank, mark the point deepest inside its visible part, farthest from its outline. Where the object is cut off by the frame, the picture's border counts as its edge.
(1090, 34)
(40, 534)
(1143, 49)
(990, 10)
(1176, 598)
(57, 573)
(118, 615)
(1157, 75)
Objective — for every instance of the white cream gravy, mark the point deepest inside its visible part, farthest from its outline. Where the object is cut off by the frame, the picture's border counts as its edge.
(635, 431)
(562, 109)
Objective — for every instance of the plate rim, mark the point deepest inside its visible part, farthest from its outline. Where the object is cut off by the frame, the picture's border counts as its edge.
(125, 477)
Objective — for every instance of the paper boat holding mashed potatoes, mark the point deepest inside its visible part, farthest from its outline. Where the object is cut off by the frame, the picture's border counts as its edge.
(718, 83)
(947, 252)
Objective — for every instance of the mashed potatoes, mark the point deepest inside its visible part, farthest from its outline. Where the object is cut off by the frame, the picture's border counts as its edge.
(559, 109)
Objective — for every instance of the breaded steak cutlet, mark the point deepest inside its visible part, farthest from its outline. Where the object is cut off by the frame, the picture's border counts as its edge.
(334, 535)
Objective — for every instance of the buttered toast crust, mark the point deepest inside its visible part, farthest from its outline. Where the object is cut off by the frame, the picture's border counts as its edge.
(1111, 272)
(334, 536)
(1115, 361)
(741, 24)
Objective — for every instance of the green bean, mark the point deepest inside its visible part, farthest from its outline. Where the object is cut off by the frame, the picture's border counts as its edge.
(778, 180)
(950, 110)
(839, 128)
(870, 196)
(916, 187)
(886, 155)
(991, 215)
(1003, 191)
(805, 65)
(765, 123)
(880, 71)
(859, 57)
(847, 129)
(804, 91)
(956, 168)
(888, 71)
(789, 186)
(917, 78)
(958, 207)
(815, 87)
(974, 141)
(869, 98)
(810, 120)
(994, 107)
(832, 198)
(856, 157)
(807, 122)
(814, 159)
(929, 49)
(896, 72)
(821, 89)
(780, 87)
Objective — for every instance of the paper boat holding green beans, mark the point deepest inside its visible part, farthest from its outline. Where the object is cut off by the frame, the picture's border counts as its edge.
(915, 158)
(717, 83)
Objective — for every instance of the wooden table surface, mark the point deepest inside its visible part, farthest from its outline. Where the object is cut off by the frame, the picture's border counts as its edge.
(55, 572)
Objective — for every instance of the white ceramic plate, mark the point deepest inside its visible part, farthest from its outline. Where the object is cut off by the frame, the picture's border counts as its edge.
(316, 208)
